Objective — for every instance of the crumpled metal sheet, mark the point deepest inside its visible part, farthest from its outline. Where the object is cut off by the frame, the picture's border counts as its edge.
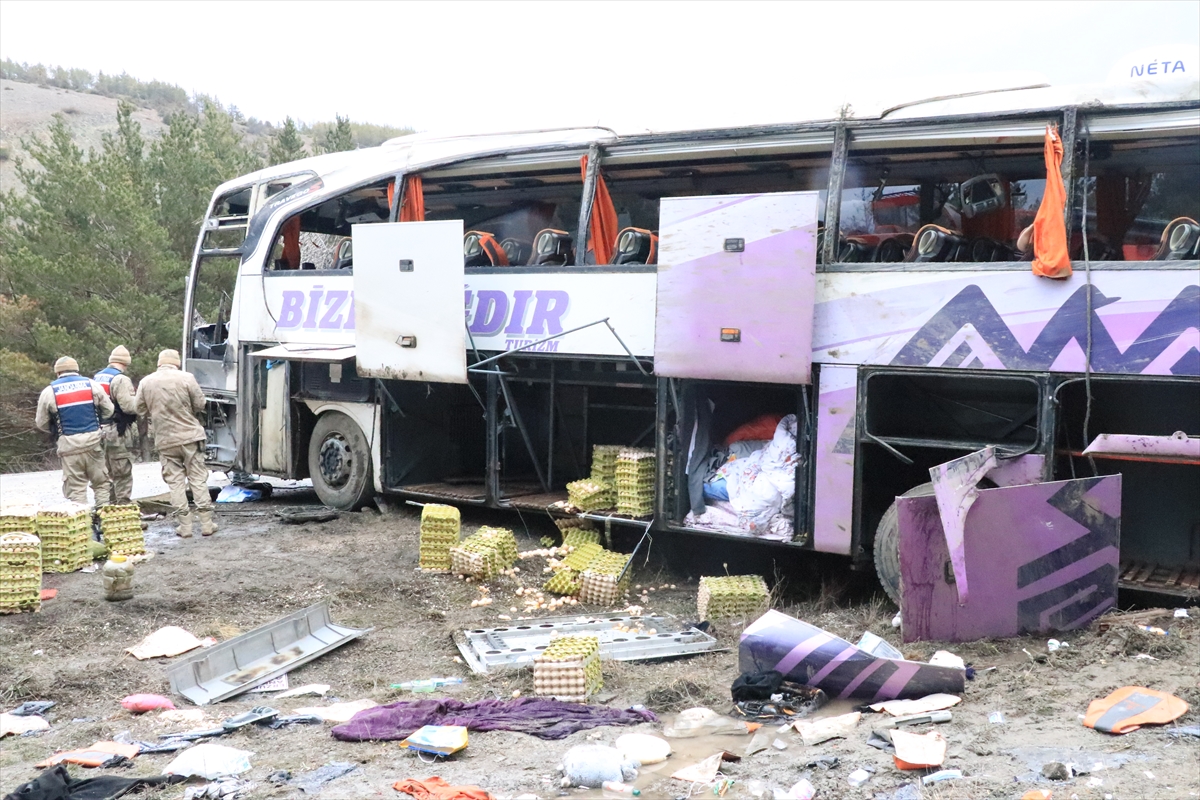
(238, 665)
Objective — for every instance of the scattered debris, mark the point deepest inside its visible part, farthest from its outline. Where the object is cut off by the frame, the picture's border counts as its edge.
(1054, 645)
(100, 754)
(285, 644)
(427, 685)
(702, 772)
(822, 730)
(1130, 618)
(338, 712)
(591, 765)
(273, 685)
(141, 703)
(12, 724)
(311, 782)
(858, 777)
(437, 789)
(166, 642)
(316, 689)
(1180, 613)
(944, 658)
(1179, 733)
(942, 775)
(48, 594)
(918, 751)
(228, 789)
(301, 516)
(644, 748)
(438, 740)
(996, 718)
(701, 721)
(932, 702)
(32, 707)
(238, 494)
(1056, 771)
(1130, 707)
(802, 790)
(209, 761)
(878, 646)
(58, 783)
(933, 717)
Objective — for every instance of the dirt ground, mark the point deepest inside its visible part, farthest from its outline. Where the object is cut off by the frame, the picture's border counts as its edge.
(256, 570)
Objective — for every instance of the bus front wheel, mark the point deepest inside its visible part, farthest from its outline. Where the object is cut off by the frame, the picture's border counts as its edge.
(887, 544)
(339, 462)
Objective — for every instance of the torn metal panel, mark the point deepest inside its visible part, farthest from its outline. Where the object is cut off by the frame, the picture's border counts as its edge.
(515, 646)
(806, 654)
(1041, 557)
(954, 489)
(1176, 448)
(238, 665)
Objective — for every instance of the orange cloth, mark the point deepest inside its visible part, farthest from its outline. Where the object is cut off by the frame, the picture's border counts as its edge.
(438, 789)
(1051, 257)
(1131, 707)
(761, 428)
(291, 243)
(412, 204)
(602, 233)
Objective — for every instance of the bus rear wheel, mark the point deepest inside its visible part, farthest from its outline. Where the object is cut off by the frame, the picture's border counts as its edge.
(887, 544)
(339, 462)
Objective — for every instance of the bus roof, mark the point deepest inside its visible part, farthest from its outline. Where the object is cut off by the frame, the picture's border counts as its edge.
(422, 151)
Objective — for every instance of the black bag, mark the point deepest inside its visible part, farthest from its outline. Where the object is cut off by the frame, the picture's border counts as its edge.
(756, 685)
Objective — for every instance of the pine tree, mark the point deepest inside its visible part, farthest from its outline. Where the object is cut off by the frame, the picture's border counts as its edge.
(339, 136)
(286, 145)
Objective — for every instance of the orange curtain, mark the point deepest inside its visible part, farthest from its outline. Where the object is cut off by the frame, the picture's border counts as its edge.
(412, 204)
(291, 243)
(1051, 258)
(602, 232)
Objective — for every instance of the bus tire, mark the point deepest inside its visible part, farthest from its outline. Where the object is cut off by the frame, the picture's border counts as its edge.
(339, 462)
(887, 544)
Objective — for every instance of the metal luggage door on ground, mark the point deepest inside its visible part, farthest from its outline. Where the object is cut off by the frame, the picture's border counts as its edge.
(736, 281)
(408, 301)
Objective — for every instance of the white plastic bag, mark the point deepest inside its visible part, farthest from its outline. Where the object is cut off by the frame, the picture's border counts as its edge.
(590, 765)
(210, 761)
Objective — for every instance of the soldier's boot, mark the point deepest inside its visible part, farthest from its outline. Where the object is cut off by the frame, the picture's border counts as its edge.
(208, 523)
(183, 525)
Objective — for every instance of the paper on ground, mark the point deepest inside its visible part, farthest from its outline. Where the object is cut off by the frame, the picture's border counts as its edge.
(12, 724)
(276, 684)
(210, 761)
(815, 731)
(903, 708)
(338, 712)
(181, 715)
(944, 658)
(703, 772)
(318, 689)
(917, 751)
(165, 643)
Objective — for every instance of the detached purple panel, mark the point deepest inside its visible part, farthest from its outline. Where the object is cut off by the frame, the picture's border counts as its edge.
(806, 654)
(736, 282)
(1041, 558)
(833, 512)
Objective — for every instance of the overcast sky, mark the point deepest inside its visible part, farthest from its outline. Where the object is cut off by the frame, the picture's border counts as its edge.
(467, 67)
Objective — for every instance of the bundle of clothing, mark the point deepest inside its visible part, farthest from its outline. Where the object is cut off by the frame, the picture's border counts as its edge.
(750, 483)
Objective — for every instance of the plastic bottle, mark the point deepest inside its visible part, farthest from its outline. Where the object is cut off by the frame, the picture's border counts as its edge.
(427, 685)
(118, 578)
(623, 788)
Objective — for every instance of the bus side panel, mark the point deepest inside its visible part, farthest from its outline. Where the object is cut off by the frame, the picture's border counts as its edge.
(837, 403)
(1143, 322)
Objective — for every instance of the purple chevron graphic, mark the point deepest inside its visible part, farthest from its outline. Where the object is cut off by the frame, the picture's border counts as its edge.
(1041, 557)
(987, 341)
(806, 654)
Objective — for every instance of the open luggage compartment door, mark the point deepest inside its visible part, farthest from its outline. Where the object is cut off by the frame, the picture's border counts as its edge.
(408, 301)
(736, 281)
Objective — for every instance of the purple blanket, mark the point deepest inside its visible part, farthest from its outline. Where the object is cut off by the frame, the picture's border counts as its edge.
(545, 719)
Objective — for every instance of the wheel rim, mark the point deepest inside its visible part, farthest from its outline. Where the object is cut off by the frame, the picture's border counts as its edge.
(335, 461)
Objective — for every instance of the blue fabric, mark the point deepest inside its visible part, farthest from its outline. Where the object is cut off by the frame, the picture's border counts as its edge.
(76, 407)
(716, 490)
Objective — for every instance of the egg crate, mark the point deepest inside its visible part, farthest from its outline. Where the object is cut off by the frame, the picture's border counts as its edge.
(489, 650)
(24, 521)
(485, 553)
(567, 524)
(121, 527)
(732, 596)
(602, 589)
(566, 582)
(441, 529)
(20, 572)
(604, 469)
(635, 482)
(580, 536)
(579, 558)
(588, 495)
(569, 669)
(65, 535)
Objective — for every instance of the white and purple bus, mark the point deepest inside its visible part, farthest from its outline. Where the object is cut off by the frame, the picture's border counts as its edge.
(800, 320)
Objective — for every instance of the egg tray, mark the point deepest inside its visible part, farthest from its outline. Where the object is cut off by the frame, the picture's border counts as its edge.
(14, 523)
(121, 527)
(635, 482)
(441, 529)
(485, 553)
(732, 596)
(579, 558)
(588, 495)
(569, 669)
(20, 572)
(602, 589)
(65, 538)
(577, 537)
(566, 582)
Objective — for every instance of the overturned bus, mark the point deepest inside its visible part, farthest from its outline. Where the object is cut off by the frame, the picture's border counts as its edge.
(800, 321)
